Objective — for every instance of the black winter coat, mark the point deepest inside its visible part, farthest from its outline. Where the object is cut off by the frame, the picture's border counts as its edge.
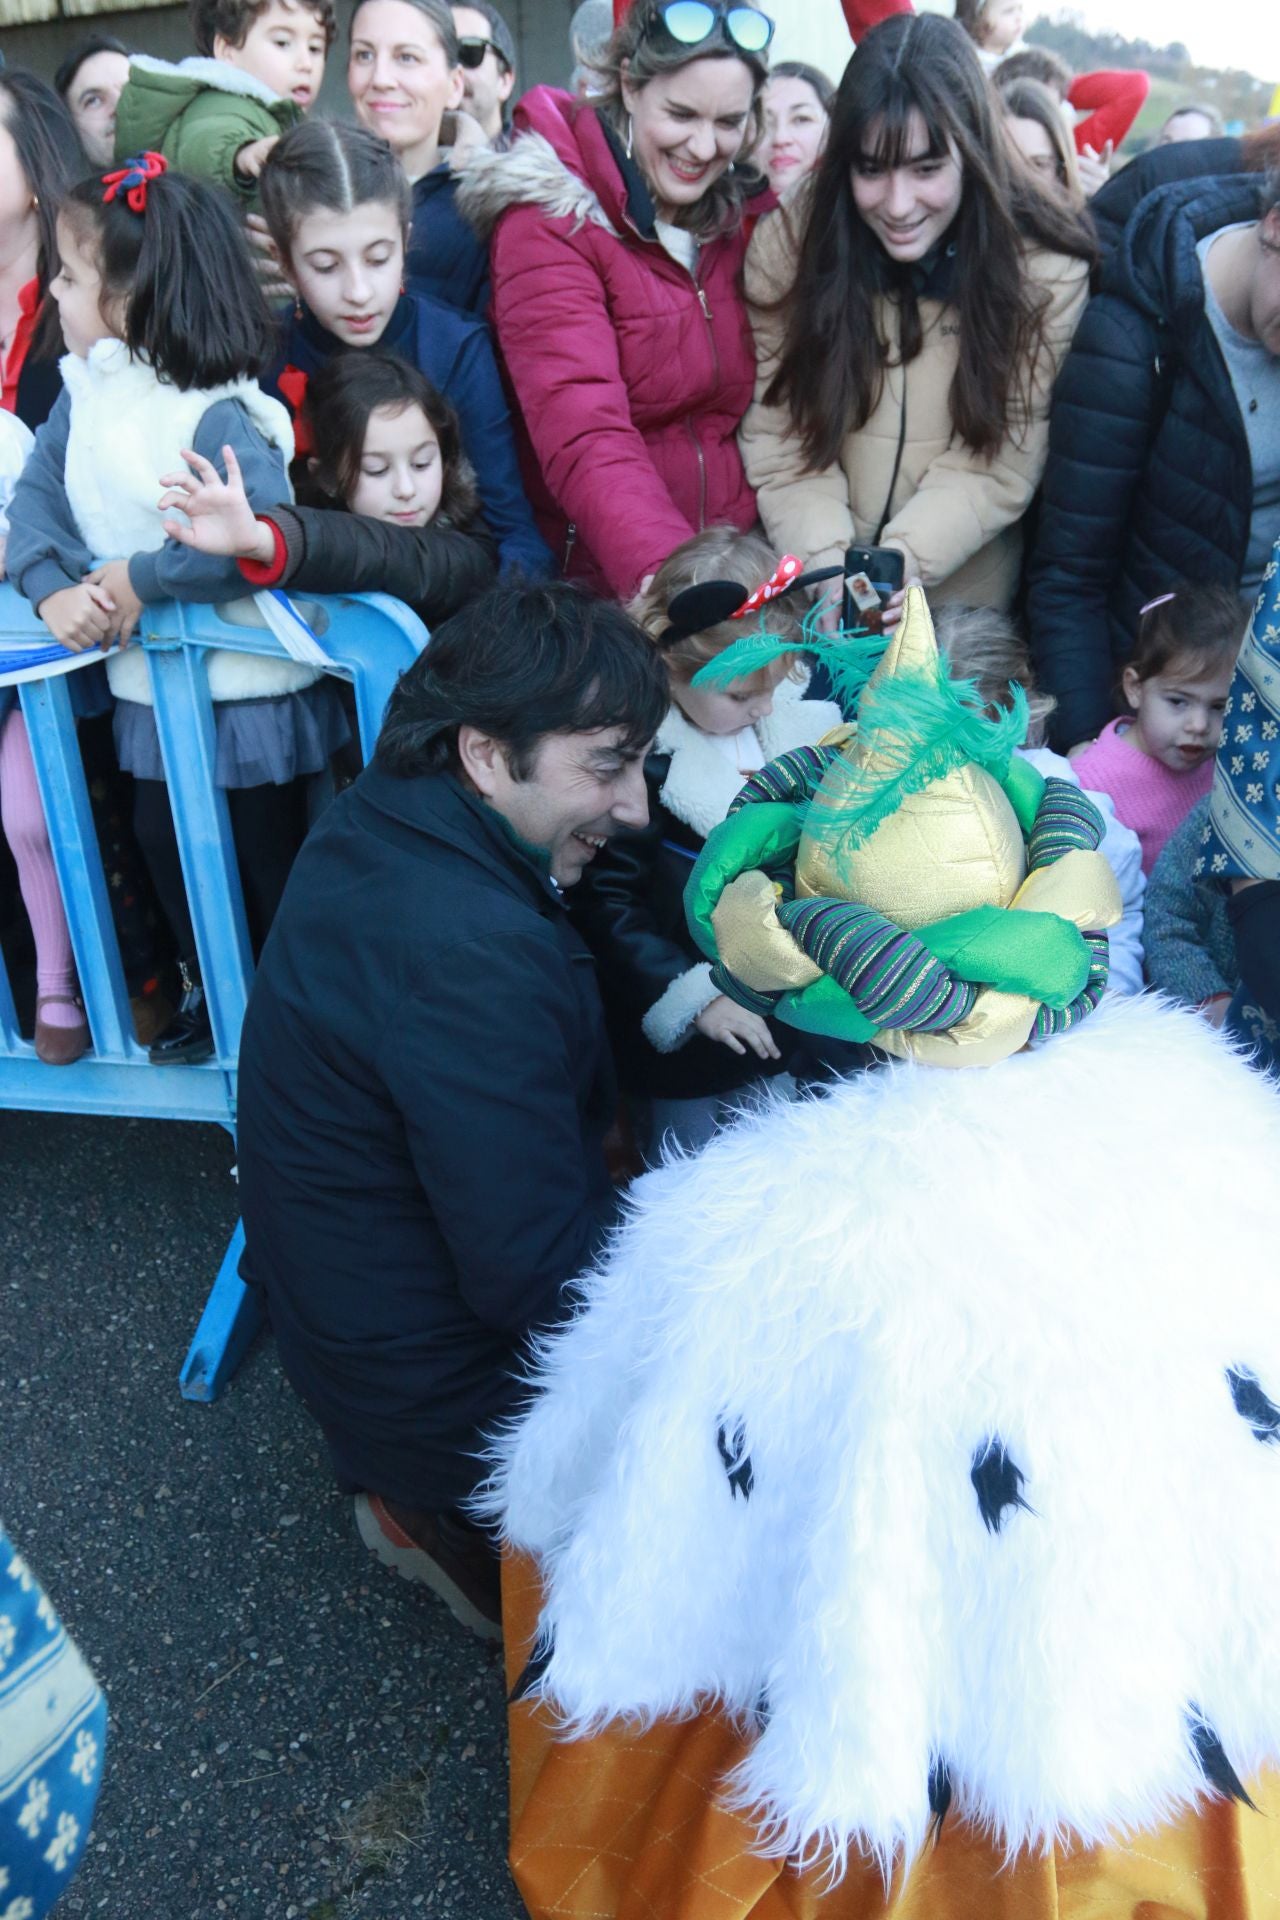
(434, 569)
(424, 1092)
(629, 907)
(1149, 479)
(1114, 204)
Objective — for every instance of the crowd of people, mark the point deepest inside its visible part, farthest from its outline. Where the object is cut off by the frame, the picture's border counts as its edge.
(589, 378)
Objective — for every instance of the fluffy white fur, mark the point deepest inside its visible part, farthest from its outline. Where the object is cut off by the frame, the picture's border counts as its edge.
(670, 1019)
(529, 174)
(702, 783)
(126, 430)
(1067, 1250)
(211, 73)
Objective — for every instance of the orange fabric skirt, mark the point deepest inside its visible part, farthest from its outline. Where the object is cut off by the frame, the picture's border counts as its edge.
(629, 1827)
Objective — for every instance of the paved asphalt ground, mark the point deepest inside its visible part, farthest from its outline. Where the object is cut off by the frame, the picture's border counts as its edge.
(296, 1734)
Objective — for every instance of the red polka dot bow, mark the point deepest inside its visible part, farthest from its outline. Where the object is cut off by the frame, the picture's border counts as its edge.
(133, 179)
(783, 576)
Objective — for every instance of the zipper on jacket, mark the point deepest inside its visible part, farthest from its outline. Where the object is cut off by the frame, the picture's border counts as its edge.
(705, 304)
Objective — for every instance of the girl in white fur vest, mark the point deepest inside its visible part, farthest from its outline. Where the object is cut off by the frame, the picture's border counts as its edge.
(687, 1051)
(167, 328)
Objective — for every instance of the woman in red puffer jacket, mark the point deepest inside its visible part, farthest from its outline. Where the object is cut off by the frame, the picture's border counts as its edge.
(618, 230)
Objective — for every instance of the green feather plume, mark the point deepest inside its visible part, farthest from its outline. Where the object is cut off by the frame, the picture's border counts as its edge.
(924, 725)
(850, 655)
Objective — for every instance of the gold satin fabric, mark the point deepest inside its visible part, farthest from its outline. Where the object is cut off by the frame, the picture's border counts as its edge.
(626, 1827)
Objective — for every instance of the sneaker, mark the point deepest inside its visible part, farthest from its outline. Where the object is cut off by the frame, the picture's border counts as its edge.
(439, 1551)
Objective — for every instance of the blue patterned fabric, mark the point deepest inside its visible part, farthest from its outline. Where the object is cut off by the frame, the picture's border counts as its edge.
(1242, 838)
(53, 1729)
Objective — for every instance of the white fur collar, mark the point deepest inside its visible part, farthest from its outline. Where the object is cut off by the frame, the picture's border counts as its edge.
(210, 73)
(529, 174)
(701, 784)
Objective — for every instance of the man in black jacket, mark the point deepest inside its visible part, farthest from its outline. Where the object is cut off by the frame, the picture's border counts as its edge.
(1152, 477)
(424, 1080)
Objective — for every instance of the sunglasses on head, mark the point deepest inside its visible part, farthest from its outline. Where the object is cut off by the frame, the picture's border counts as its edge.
(472, 50)
(690, 21)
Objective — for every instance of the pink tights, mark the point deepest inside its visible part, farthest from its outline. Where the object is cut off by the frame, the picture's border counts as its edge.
(28, 836)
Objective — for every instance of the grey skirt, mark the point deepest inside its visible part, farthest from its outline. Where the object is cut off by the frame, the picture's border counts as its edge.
(260, 743)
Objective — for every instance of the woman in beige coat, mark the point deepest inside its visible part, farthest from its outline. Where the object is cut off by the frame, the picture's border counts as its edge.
(911, 303)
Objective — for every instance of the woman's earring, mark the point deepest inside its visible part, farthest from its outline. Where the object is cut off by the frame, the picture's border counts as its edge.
(630, 134)
(297, 306)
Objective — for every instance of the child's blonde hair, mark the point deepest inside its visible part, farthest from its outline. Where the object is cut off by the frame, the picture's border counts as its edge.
(719, 553)
(984, 646)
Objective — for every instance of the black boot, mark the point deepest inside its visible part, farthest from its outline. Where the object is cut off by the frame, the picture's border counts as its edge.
(188, 1037)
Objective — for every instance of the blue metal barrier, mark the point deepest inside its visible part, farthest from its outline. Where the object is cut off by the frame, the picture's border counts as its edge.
(370, 639)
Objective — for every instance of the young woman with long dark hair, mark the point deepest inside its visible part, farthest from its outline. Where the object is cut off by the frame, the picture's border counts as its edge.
(39, 158)
(911, 307)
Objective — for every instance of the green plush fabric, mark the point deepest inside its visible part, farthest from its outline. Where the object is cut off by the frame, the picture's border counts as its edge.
(825, 1008)
(1032, 953)
(766, 836)
(1024, 790)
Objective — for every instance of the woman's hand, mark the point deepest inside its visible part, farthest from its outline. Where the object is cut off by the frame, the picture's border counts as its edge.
(221, 521)
(79, 617)
(730, 1025)
(113, 580)
(891, 611)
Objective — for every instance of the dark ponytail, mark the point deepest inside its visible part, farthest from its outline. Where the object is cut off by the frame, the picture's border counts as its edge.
(182, 267)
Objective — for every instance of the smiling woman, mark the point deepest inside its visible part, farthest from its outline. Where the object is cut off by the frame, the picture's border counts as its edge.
(911, 306)
(403, 76)
(618, 238)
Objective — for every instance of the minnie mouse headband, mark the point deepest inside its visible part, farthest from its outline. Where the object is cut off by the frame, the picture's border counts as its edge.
(710, 602)
(133, 179)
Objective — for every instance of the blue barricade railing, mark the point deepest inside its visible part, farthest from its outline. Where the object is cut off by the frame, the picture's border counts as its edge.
(370, 639)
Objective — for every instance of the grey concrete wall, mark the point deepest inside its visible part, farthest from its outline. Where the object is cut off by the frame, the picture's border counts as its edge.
(541, 28)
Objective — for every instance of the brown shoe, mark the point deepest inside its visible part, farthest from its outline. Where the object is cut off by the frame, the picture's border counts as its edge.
(151, 1013)
(440, 1551)
(60, 1046)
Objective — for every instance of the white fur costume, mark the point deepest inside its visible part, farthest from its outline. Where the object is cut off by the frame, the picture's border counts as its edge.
(1065, 1254)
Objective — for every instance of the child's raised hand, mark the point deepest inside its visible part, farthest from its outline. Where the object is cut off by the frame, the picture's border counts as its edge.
(253, 156)
(221, 520)
(79, 617)
(737, 1028)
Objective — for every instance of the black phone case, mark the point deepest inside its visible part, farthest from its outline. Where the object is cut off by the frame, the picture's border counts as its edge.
(882, 566)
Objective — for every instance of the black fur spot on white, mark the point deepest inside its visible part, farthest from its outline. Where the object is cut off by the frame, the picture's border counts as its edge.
(732, 1448)
(1214, 1764)
(939, 1795)
(997, 1481)
(1253, 1405)
(536, 1665)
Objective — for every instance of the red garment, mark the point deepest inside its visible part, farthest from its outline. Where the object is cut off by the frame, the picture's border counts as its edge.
(28, 303)
(630, 376)
(862, 15)
(1112, 102)
(265, 573)
(292, 382)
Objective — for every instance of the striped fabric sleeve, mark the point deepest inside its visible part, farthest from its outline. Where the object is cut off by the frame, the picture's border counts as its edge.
(1051, 1020)
(796, 775)
(725, 982)
(1065, 820)
(889, 975)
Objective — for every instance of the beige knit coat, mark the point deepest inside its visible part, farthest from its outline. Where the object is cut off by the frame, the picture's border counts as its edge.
(957, 514)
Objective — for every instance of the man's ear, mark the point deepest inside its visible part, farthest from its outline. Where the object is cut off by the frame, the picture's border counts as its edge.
(482, 760)
(1131, 685)
(1269, 232)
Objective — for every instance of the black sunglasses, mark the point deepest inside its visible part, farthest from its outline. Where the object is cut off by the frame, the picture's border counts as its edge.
(690, 21)
(472, 50)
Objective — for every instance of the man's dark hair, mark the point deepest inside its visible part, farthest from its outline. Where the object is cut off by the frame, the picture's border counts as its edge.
(93, 43)
(518, 663)
(499, 32)
(231, 20)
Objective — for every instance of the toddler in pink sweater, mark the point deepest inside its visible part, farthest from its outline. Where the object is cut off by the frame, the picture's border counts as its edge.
(1158, 761)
